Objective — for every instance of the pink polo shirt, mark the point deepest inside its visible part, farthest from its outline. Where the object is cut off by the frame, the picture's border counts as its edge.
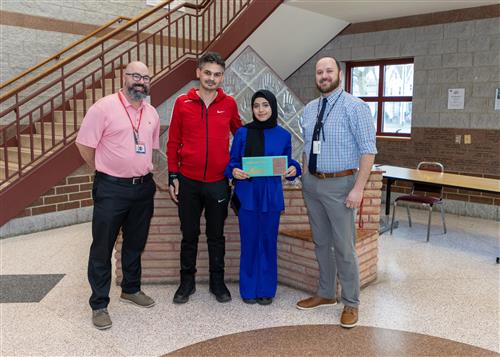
(107, 128)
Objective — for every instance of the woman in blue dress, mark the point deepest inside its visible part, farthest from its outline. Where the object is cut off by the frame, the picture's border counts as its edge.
(261, 198)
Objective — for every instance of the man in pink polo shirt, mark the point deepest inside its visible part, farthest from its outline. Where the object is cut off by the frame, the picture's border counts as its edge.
(116, 139)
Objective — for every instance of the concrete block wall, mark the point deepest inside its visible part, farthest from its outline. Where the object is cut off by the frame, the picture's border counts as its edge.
(454, 55)
(32, 40)
(463, 54)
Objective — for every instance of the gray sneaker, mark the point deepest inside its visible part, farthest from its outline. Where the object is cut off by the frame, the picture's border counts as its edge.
(139, 299)
(101, 319)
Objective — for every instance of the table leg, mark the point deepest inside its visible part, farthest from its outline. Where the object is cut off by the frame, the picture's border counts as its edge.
(385, 224)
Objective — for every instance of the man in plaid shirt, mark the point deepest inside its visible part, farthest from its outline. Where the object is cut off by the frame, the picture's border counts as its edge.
(339, 151)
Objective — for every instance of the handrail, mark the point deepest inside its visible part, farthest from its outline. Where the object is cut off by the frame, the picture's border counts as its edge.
(100, 41)
(85, 49)
(67, 89)
(118, 19)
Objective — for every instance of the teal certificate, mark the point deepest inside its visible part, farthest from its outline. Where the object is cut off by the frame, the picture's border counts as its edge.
(265, 165)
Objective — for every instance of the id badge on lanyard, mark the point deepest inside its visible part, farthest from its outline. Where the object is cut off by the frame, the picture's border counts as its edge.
(316, 147)
(140, 146)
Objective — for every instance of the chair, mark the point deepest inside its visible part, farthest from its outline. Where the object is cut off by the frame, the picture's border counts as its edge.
(425, 194)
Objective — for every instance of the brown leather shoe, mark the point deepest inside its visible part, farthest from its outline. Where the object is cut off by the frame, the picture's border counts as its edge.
(349, 317)
(314, 302)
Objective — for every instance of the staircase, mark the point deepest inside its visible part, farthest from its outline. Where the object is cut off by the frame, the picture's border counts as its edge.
(40, 117)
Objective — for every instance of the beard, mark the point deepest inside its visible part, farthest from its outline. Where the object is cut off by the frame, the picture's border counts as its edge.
(137, 94)
(334, 85)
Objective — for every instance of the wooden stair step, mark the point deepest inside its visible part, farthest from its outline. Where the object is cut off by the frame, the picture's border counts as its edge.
(97, 92)
(13, 168)
(58, 128)
(25, 140)
(70, 115)
(12, 154)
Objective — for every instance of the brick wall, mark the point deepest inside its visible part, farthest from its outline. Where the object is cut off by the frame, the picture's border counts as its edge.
(437, 144)
(74, 191)
(296, 260)
(297, 266)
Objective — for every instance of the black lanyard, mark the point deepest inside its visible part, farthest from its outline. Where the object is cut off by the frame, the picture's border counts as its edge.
(319, 123)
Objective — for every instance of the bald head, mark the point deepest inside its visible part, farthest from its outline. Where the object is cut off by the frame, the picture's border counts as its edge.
(137, 67)
(327, 75)
(136, 81)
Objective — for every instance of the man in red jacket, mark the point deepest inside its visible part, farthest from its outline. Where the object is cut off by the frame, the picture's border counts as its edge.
(197, 154)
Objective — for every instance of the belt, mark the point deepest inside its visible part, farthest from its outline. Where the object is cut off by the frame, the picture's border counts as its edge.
(322, 175)
(129, 180)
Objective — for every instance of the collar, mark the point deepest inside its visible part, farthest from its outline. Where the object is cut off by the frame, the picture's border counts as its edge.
(191, 94)
(333, 97)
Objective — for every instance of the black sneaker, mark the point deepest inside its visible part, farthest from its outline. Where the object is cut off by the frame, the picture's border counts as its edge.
(264, 301)
(250, 301)
(221, 292)
(182, 294)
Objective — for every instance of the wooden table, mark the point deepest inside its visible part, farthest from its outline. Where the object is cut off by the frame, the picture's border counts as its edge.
(393, 173)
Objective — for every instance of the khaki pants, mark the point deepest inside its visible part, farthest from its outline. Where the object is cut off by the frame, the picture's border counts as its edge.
(334, 235)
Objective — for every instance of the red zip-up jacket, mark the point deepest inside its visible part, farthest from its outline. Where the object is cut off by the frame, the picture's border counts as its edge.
(198, 137)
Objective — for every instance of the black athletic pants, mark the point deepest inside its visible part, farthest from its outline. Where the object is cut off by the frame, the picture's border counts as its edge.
(194, 197)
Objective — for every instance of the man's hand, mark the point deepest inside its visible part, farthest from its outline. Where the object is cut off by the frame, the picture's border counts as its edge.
(161, 186)
(292, 171)
(240, 174)
(173, 186)
(354, 198)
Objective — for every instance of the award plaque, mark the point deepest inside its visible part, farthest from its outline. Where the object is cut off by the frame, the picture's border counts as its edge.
(257, 166)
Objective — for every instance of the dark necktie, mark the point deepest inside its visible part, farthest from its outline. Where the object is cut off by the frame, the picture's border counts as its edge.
(313, 158)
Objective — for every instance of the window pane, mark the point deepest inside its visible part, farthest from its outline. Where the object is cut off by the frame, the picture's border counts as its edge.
(398, 80)
(373, 108)
(397, 117)
(365, 81)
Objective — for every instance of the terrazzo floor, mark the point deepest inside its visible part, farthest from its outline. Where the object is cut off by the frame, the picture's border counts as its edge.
(448, 288)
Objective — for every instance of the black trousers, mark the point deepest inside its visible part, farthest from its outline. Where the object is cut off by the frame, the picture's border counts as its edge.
(194, 197)
(118, 204)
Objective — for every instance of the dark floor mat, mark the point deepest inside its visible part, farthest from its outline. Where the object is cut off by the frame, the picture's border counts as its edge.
(26, 288)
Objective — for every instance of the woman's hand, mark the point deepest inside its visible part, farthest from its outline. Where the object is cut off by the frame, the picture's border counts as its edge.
(240, 174)
(292, 171)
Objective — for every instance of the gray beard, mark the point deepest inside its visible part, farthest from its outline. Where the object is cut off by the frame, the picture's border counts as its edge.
(136, 95)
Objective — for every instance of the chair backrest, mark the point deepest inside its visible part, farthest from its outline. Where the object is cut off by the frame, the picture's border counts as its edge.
(429, 189)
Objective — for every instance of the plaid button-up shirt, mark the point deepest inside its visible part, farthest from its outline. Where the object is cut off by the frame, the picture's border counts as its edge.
(348, 131)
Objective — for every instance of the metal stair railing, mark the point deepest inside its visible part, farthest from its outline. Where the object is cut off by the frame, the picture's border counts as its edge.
(59, 97)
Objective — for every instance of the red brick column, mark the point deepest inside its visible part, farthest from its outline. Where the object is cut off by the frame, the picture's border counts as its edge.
(297, 266)
(296, 261)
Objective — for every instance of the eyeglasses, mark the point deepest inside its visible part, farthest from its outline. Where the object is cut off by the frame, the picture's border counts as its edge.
(137, 77)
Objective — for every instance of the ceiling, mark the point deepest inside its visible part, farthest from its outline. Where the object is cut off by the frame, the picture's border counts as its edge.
(355, 11)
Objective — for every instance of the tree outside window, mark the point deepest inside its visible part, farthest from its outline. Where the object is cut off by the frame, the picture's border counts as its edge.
(387, 87)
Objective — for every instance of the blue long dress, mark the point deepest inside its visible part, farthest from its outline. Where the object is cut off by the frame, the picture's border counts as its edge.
(262, 202)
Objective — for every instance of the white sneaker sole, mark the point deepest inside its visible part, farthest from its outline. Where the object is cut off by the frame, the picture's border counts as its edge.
(349, 326)
(126, 301)
(315, 307)
(103, 327)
